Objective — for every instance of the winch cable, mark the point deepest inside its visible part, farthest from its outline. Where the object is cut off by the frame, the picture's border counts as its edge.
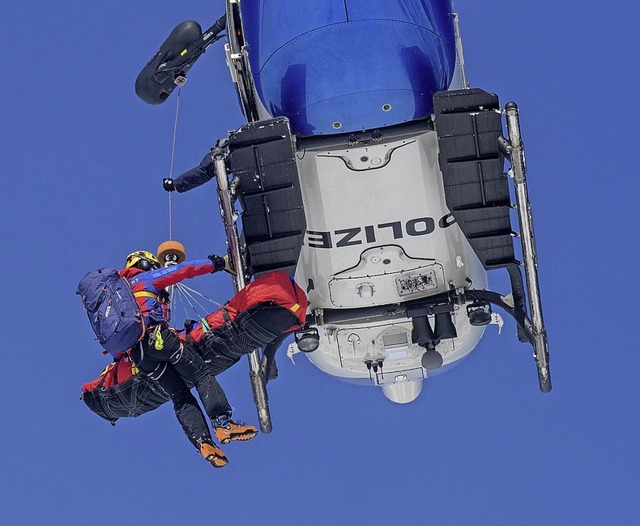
(173, 152)
(187, 296)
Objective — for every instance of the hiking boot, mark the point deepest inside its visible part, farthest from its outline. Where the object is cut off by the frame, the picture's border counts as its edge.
(226, 432)
(213, 454)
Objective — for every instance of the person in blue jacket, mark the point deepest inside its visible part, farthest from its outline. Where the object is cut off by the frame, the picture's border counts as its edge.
(193, 178)
(174, 364)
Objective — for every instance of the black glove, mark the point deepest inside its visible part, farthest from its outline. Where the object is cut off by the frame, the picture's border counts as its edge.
(221, 263)
(168, 185)
(218, 262)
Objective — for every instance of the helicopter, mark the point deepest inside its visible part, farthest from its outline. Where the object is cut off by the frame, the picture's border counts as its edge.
(371, 171)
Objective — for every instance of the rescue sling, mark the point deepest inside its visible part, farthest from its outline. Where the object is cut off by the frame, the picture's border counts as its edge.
(121, 391)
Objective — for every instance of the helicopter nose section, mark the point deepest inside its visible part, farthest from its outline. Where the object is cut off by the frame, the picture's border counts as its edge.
(402, 391)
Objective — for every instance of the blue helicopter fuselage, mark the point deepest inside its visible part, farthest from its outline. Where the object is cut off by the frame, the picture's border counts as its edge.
(345, 65)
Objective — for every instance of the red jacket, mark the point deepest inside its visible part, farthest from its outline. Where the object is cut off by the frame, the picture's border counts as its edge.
(276, 287)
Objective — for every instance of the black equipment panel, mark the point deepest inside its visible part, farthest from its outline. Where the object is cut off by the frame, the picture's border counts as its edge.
(262, 158)
(468, 124)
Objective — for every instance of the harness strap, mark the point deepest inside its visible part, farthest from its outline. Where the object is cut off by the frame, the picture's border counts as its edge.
(145, 294)
(188, 327)
(296, 306)
(205, 325)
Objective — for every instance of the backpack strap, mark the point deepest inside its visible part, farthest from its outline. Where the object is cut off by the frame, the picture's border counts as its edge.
(143, 294)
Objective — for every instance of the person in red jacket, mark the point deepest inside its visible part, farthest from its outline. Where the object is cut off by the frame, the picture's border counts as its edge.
(175, 365)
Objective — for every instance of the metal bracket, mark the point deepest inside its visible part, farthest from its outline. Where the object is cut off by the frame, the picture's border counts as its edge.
(292, 349)
(496, 319)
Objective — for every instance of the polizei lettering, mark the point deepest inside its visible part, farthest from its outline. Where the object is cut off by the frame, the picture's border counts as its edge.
(358, 235)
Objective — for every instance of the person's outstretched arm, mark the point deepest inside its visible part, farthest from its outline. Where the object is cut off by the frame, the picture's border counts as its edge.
(193, 178)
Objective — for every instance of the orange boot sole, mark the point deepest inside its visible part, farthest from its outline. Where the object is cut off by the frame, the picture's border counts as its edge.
(214, 455)
(235, 431)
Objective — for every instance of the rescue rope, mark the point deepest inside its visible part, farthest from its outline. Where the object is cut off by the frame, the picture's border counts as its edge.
(192, 294)
(188, 297)
(173, 297)
(173, 152)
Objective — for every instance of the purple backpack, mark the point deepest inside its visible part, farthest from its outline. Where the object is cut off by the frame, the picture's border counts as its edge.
(112, 309)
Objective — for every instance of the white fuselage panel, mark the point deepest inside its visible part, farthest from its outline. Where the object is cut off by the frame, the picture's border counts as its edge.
(378, 233)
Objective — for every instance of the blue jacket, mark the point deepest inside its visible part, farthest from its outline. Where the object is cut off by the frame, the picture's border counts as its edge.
(197, 176)
(148, 287)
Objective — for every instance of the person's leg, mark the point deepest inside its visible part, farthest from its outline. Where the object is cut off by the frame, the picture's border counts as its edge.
(190, 366)
(185, 405)
(258, 326)
(187, 360)
(265, 323)
(195, 370)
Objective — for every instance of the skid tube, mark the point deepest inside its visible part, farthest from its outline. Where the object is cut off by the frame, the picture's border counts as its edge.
(513, 149)
(229, 215)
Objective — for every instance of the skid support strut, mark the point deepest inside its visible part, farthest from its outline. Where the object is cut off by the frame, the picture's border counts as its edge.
(229, 215)
(514, 150)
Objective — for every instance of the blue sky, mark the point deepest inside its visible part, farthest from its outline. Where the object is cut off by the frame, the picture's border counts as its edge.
(82, 161)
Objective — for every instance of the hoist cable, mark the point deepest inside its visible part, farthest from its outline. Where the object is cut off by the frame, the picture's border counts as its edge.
(173, 151)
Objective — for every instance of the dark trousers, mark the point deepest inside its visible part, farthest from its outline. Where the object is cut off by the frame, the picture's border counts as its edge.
(258, 326)
(175, 366)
